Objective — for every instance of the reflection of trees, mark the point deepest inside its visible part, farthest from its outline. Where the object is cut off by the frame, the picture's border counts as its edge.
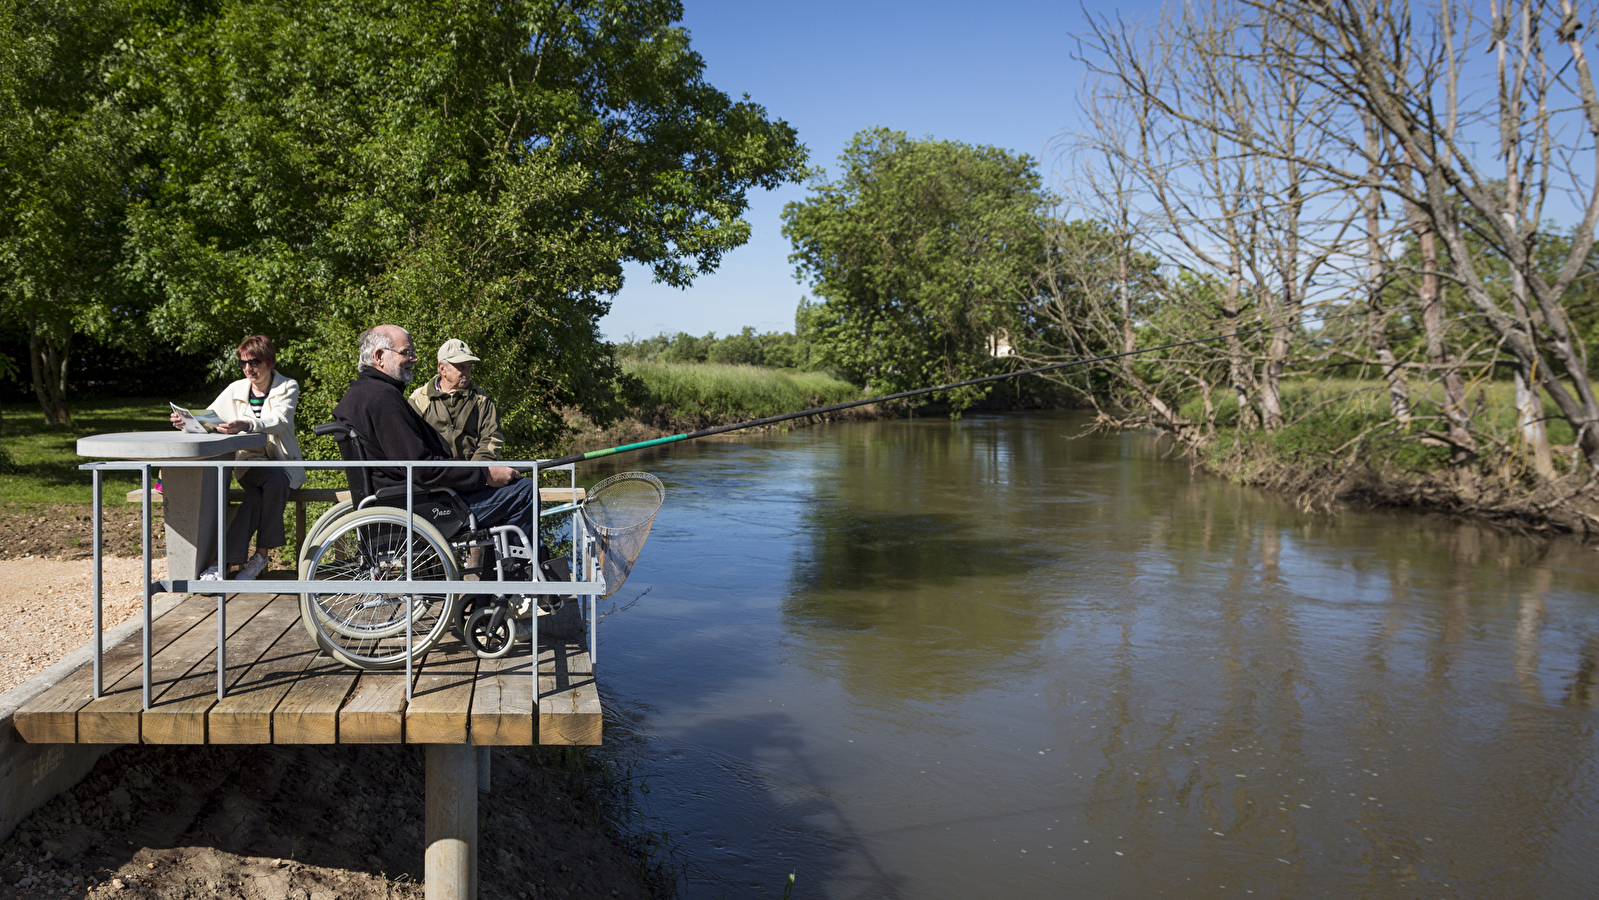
(910, 580)
(1358, 665)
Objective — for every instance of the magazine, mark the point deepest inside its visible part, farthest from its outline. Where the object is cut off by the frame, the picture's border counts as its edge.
(198, 422)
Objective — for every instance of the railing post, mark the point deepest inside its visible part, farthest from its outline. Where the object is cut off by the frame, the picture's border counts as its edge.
(410, 595)
(144, 543)
(99, 593)
(222, 574)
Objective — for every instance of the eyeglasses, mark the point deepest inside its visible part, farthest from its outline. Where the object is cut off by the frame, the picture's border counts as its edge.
(247, 363)
(408, 352)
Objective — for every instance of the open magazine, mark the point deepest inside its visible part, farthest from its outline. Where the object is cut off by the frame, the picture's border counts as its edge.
(198, 422)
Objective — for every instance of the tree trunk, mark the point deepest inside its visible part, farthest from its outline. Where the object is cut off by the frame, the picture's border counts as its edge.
(1529, 416)
(1377, 280)
(47, 364)
(1430, 298)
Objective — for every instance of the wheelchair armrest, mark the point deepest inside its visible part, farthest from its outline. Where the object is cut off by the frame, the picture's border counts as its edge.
(394, 491)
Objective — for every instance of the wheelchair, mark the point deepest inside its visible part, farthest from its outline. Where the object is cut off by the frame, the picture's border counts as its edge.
(364, 539)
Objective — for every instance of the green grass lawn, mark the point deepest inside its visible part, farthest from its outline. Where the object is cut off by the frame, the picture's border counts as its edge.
(39, 462)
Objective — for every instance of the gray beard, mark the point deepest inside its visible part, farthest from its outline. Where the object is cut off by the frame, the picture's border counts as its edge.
(407, 373)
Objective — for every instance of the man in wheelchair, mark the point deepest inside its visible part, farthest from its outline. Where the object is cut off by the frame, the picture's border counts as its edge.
(389, 428)
(386, 427)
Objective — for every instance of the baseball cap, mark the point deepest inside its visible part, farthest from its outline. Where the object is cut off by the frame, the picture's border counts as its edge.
(456, 351)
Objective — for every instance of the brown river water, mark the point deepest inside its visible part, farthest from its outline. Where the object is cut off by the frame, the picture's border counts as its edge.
(998, 657)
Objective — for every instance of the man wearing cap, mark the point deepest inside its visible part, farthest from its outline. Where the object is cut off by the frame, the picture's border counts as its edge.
(458, 409)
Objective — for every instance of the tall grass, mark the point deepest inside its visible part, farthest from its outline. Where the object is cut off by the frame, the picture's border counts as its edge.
(708, 392)
(1326, 417)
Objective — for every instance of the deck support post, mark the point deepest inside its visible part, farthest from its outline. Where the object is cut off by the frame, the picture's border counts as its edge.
(485, 760)
(450, 860)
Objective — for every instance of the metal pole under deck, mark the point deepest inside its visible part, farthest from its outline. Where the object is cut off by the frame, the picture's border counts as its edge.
(450, 860)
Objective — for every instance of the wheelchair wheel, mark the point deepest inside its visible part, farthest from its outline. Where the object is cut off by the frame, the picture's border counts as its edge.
(367, 630)
(331, 515)
(485, 644)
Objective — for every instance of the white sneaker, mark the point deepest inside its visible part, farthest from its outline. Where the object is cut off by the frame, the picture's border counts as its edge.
(210, 574)
(251, 569)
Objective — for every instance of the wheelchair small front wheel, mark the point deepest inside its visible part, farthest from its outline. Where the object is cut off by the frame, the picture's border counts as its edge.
(487, 643)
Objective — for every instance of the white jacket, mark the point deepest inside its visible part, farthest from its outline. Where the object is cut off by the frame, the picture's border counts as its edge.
(276, 422)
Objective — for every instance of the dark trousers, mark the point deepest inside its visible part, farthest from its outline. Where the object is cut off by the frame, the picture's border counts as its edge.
(266, 493)
(515, 504)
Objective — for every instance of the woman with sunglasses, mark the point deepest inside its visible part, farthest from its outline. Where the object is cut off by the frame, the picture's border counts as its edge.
(262, 401)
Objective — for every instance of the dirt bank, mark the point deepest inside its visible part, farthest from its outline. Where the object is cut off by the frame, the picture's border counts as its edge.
(1568, 505)
(313, 823)
(65, 531)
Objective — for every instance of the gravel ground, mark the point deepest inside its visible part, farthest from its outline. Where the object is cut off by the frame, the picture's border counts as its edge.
(50, 612)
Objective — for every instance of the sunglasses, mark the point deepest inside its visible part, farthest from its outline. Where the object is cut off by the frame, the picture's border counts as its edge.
(247, 363)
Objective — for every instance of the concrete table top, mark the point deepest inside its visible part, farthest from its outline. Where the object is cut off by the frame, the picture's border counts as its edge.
(171, 444)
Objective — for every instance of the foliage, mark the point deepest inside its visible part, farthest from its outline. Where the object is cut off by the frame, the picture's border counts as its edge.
(779, 350)
(477, 170)
(919, 253)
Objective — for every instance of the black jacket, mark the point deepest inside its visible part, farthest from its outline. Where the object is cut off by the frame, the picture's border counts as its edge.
(374, 405)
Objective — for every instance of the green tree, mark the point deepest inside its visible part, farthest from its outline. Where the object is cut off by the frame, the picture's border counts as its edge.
(62, 186)
(919, 253)
(476, 170)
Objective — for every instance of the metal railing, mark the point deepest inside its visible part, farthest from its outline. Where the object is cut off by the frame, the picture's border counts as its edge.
(583, 563)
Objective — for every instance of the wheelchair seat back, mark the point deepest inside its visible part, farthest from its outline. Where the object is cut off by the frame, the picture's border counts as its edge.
(349, 444)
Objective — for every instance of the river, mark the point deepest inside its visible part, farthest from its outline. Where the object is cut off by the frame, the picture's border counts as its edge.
(1000, 657)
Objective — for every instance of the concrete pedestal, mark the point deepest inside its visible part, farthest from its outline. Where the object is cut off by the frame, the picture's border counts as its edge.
(189, 496)
(450, 860)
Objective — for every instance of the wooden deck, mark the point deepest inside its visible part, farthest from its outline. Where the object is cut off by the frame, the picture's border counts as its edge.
(282, 690)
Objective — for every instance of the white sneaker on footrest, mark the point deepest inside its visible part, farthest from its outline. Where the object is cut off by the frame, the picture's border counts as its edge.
(254, 567)
(210, 574)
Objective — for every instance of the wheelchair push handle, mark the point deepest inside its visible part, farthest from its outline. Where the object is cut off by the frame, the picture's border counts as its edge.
(340, 431)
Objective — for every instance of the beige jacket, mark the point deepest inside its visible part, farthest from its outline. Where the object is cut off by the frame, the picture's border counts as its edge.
(277, 420)
(468, 419)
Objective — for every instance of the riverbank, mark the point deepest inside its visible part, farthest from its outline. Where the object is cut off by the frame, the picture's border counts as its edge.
(1567, 505)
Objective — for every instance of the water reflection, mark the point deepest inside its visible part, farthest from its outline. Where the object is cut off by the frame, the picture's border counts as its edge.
(980, 658)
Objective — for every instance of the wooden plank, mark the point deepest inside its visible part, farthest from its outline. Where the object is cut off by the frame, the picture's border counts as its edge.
(502, 702)
(245, 715)
(179, 717)
(375, 713)
(549, 494)
(52, 717)
(114, 718)
(569, 697)
(309, 712)
(442, 697)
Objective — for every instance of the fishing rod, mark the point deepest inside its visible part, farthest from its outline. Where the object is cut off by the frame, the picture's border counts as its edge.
(822, 410)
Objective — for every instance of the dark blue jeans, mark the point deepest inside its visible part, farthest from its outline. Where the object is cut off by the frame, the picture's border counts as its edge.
(515, 504)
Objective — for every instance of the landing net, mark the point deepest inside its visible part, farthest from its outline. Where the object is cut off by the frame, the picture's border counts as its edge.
(619, 512)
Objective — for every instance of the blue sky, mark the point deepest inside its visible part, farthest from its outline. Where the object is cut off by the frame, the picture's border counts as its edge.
(998, 73)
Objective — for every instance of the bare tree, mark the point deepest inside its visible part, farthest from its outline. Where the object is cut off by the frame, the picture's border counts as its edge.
(1372, 55)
